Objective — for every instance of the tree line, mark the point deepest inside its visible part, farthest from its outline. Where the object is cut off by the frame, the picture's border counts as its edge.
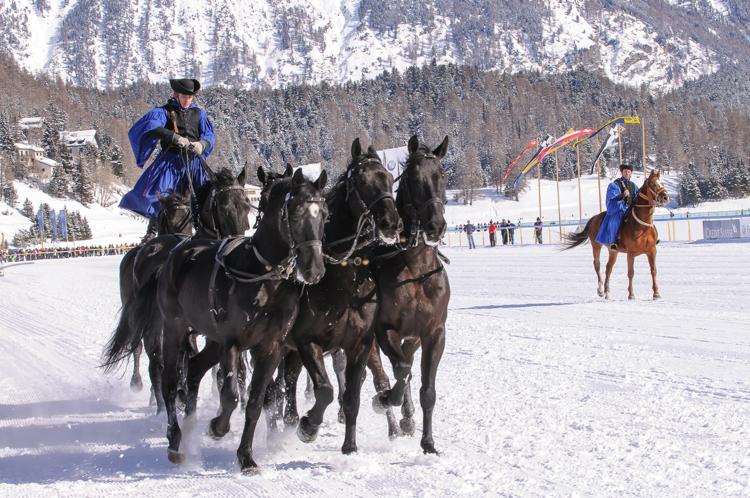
(701, 130)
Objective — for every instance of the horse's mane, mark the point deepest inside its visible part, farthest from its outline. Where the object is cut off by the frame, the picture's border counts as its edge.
(175, 200)
(224, 178)
(336, 190)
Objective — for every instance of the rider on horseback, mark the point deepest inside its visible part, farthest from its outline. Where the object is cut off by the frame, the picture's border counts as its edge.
(620, 195)
(183, 130)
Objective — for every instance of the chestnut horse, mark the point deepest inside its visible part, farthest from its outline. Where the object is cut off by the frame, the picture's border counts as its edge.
(637, 235)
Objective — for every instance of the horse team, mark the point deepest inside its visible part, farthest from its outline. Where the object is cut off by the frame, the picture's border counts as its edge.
(350, 271)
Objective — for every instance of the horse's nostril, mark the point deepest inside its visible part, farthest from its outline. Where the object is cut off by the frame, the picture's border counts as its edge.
(400, 225)
(431, 227)
(385, 224)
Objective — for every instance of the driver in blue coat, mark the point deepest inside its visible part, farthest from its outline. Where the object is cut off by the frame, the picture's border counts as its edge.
(183, 130)
(620, 195)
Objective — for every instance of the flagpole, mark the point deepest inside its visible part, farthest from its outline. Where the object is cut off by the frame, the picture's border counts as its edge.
(559, 217)
(599, 175)
(643, 130)
(539, 180)
(580, 202)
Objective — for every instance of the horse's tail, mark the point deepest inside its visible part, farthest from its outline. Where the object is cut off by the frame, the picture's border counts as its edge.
(576, 239)
(139, 315)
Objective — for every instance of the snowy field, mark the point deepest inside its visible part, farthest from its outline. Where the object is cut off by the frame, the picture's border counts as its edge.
(544, 390)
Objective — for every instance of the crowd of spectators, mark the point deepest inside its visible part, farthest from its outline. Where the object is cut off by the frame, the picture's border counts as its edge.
(13, 255)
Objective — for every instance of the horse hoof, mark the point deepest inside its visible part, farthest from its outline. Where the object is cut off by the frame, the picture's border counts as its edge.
(429, 448)
(212, 433)
(394, 433)
(291, 421)
(378, 404)
(176, 457)
(600, 293)
(656, 296)
(631, 298)
(349, 448)
(305, 431)
(136, 385)
(407, 425)
(342, 417)
(251, 470)
(606, 296)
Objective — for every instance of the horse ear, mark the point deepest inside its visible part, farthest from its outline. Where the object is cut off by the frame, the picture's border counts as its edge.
(442, 149)
(413, 144)
(298, 178)
(322, 180)
(356, 148)
(262, 175)
(161, 198)
(242, 176)
(289, 170)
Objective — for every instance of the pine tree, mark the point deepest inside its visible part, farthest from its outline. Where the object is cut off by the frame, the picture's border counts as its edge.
(83, 186)
(58, 184)
(86, 233)
(10, 196)
(689, 191)
(28, 209)
(716, 188)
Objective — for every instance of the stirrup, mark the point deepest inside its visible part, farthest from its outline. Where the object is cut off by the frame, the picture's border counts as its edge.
(657, 241)
(613, 247)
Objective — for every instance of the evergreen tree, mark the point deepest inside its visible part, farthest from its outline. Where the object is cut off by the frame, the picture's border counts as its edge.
(28, 209)
(86, 233)
(716, 188)
(9, 194)
(58, 184)
(6, 137)
(689, 192)
(83, 186)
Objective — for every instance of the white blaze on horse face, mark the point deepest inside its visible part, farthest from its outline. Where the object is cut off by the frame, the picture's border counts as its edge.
(314, 210)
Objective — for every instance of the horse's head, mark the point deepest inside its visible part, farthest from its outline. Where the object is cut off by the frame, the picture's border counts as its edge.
(174, 217)
(370, 188)
(224, 204)
(422, 190)
(301, 213)
(267, 180)
(655, 188)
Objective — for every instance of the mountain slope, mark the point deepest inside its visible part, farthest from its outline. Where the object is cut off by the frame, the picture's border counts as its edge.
(106, 43)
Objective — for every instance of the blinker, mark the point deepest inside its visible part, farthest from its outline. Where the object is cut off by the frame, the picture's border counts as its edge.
(357, 261)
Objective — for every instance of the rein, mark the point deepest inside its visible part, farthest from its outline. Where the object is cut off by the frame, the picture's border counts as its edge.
(650, 204)
(365, 224)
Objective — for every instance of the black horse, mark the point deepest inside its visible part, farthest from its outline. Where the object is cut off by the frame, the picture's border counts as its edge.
(413, 291)
(238, 293)
(224, 210)
(339, 312)
(174, 219)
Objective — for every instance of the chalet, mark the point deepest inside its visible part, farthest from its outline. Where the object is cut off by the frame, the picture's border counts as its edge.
(253, 193)
(39, 165)
(75, 141)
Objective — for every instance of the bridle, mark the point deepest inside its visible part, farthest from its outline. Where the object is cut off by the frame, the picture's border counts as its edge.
(650, 203)
(416, 228)
(275, 271)
(366, 221)
(213, 212)
(181, 225)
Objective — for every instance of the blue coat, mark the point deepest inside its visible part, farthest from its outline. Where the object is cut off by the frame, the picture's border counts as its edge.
(166, 171)
(616, 209)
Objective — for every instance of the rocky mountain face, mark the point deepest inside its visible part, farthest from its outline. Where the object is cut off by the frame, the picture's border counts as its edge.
(272, 43)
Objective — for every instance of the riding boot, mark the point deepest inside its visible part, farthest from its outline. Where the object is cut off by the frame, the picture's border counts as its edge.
(613, 247)
(151, 230)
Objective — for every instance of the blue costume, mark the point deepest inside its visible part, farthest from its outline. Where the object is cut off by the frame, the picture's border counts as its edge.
(616, 209)
(167, 170)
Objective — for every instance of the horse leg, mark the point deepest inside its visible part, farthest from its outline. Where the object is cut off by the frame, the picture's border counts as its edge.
(280, 385)
(608, 272)
(262, 374)
(432, 351)
(652, 263)
(216, 377)
(170, 356)
(401, 371)
(155, 372)
(339, 366)
(407, 412)
(356, 362)
(292, 369)
(309, 389)
(136, 383)
(382, 384)
(220, 425)
(312, 359)
(631, 273)
(198, 365)
(597, 249)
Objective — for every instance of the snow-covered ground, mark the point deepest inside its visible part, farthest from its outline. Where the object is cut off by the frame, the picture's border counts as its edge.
(544, 390)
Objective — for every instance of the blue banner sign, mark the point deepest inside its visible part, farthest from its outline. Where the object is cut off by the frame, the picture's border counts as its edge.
(721, 229)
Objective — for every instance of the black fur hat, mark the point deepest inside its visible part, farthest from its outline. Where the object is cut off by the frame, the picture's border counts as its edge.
(185, 86)
(623, 167)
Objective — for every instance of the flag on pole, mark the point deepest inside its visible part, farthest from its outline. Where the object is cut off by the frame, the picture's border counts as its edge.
(63, 227)
(533, 161)
(569, 136)
(531, 144)
(54, 222)
(614, 134)
(620, 120)
(40, 221)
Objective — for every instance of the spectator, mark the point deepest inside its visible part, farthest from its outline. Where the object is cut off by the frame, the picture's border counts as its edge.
(493, 228)
(469, 229)
(538, 230)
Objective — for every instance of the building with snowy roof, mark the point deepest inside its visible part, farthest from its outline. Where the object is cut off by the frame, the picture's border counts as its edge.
(38, 164)
(75, 141)
(30, 123)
